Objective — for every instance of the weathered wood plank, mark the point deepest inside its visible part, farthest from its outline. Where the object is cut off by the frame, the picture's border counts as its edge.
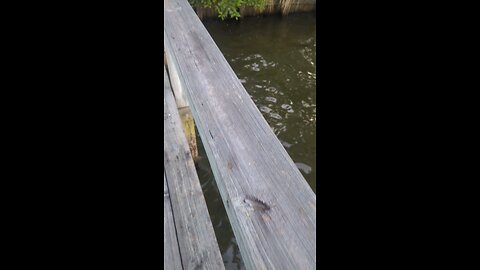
(171, 253)
(198, 244)
(179, 95)
(271, 207)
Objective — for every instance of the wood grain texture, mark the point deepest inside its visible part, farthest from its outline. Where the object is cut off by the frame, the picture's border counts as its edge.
(171, 253)
(270, 205)
(196, 237)
(180, 97)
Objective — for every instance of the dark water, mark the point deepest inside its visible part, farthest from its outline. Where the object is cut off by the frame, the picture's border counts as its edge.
(275, 58)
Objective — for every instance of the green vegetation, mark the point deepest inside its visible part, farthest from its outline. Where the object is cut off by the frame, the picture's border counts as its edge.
(228, 8)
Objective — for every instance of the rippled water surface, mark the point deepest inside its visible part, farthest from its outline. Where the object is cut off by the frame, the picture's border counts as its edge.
(275, 59)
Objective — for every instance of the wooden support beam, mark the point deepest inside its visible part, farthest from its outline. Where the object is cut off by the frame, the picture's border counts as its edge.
(185, 112)
(177, 85)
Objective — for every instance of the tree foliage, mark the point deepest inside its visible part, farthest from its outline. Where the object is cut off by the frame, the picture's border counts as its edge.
(228, 8)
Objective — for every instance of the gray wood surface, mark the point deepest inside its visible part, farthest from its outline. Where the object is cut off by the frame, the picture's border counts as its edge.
(171, 253)
(180, 97)
(270, 205)
(196, 237)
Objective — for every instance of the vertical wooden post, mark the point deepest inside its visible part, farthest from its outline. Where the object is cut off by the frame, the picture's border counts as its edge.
(183, 107)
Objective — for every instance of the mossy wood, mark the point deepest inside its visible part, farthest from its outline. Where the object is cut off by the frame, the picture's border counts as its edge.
(188, 125)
